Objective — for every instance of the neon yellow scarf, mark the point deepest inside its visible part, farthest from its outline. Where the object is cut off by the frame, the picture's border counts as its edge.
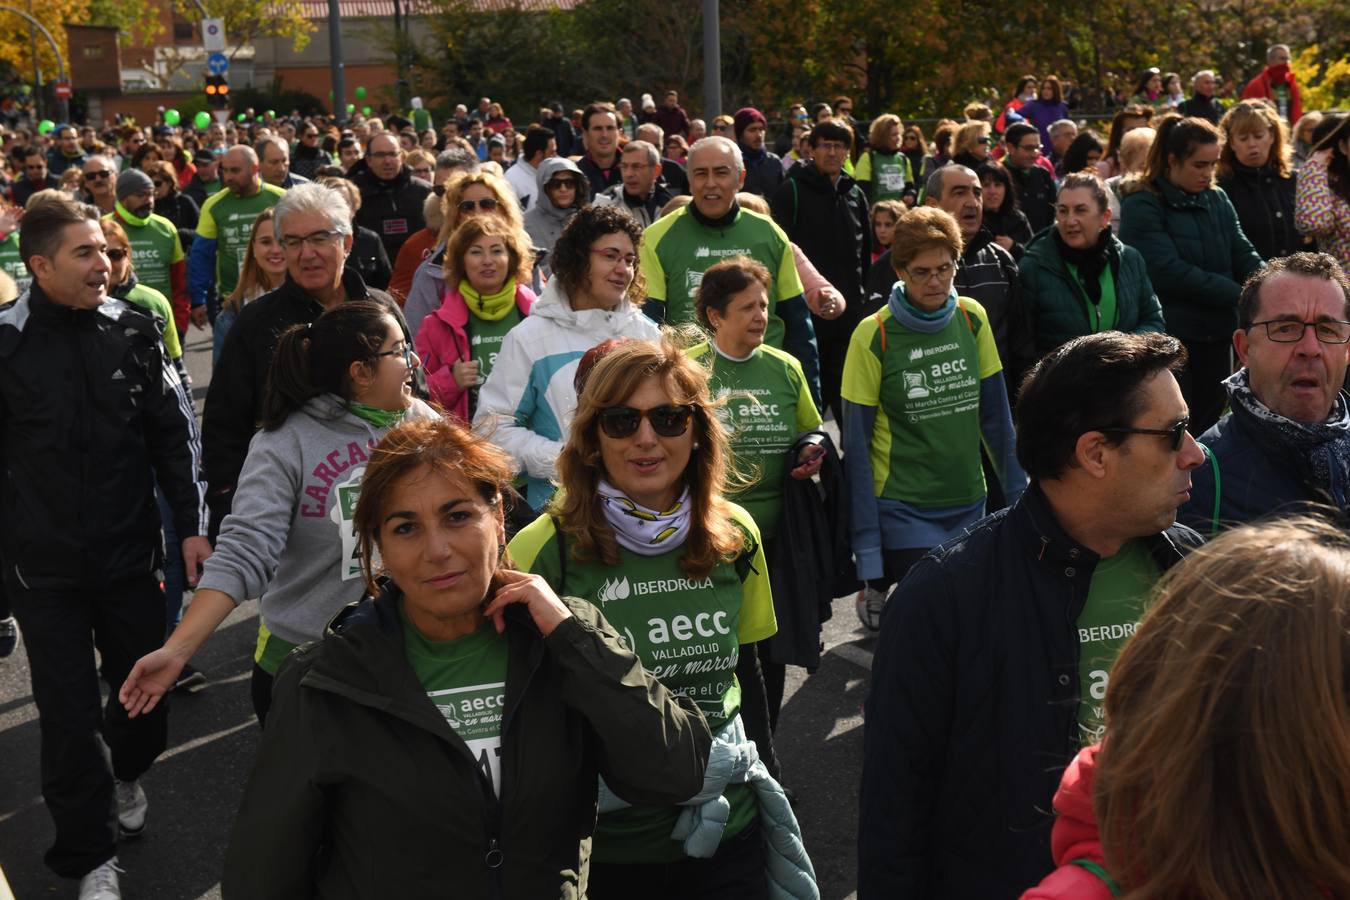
(490, 307)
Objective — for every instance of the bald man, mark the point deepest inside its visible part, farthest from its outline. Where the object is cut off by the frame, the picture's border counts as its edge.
(224, 227)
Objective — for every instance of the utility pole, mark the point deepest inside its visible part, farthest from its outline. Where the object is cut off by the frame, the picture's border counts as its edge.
(335, 59)
(38, 99)
(712, 61)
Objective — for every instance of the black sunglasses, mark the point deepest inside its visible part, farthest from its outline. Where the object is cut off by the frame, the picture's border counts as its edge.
(1176, 435)
(487, 204)
(89, 176)
(117, 255)
(670, 421)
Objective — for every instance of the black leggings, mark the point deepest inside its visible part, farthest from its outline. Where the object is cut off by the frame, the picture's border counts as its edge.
(261, 689)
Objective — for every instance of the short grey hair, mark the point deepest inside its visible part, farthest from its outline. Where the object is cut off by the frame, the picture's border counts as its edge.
(1270, 54)
(313, 198)
(1195, 79)
(454, 159)
(651, 133)
(653, 155)
(1061, 125)
(937, 182)
(270, 140)
(717, 140)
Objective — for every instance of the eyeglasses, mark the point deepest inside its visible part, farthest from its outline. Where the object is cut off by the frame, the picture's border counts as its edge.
(1287, 331)
(1026, 148)
(487, 204)
(160, 182)
(117, 255)
(986, 140)
(316, 239)
(831, 147)
(1176, 435)
(310, 134)
(90, 176)
(941, 273)
(422, 171)
(667, 420)
(614, 257)
(383, 154)
(556, 184)
(405, 351)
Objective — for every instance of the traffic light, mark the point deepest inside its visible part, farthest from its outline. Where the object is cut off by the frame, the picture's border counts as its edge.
(217, 91)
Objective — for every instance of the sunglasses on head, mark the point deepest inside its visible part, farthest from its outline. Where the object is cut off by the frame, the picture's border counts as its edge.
(487, 204)
(667, 420)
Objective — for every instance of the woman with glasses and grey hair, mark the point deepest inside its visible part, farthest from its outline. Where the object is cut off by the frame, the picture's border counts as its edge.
(336, 386)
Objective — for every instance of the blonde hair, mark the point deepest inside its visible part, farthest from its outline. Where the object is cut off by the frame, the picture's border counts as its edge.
(517, 242)
(507, 208)
(1226, 767)
(253, 281)
(882, 125)
(1248, 117)
(753, 202)
(714, 537)
(1134, 148)
(968, 135)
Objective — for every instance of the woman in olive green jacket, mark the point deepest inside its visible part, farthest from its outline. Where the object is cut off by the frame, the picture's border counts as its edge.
(1078, 279)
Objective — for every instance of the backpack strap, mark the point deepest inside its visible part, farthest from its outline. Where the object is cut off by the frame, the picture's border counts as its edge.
(881, 330)
(1218, 493)
(969, 323)
(1096, 869)
(562, 554)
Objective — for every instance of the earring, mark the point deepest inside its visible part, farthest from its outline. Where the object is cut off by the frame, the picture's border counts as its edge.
(695, 445)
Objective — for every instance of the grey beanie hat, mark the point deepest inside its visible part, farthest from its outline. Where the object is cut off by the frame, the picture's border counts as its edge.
(133, 181)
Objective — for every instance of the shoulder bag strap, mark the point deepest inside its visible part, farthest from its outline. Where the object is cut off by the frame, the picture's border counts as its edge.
(1214, 467)
(1096, 869)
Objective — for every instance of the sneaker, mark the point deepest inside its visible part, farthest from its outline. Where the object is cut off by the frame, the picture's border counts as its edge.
(9, 636)
(869, 605)
(101, 883)
(190, 681)
(131, 807)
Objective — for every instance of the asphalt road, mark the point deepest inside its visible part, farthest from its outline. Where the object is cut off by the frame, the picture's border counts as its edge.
(195, 786)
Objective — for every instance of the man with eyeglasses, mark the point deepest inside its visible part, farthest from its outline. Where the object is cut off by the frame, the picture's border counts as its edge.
(224, 227)
(67, 153)
(35, 177)
(642, 192)
(309, 155)
(995, 650)
(313, 223)
(156, 251)
(98, 178)
(825, 213)
(391, 196)
(1285, 444)
(1035, 186)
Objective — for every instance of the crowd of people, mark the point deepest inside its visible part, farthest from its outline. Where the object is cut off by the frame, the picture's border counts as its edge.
(518, 436)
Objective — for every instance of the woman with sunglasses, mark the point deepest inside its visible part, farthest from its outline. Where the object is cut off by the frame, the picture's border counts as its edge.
(264, 270)
(172, 203)
(336, 387)
(563, 190)
(467, 194)
(971, 144)
(641, 528)
(922, 389)
(487, 264)
(593, 296)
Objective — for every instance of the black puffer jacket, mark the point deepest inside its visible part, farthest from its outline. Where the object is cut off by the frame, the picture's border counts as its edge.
(392, 209)
(1264, 201)
(361, 789)
(972, 711)
(90, 411)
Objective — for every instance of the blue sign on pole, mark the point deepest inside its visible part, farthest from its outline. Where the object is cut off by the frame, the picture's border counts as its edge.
(218, 63)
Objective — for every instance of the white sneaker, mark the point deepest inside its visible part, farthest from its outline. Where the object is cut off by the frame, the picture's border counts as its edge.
(131, 807)
(101, 883)
(869, 605)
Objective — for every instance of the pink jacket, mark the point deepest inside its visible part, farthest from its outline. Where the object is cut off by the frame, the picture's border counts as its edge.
(443, 339)
(1075, 836)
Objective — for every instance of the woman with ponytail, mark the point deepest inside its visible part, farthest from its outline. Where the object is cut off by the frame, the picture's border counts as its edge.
(1197, 254)
(336, 386)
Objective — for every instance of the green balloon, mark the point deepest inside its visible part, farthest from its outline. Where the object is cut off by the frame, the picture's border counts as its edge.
(351, 108)
(202, 121)
(360, 93)
(271, 114)
(172, 117)
(46, 126)
(330, 95)
(365, 110)
(241, 117)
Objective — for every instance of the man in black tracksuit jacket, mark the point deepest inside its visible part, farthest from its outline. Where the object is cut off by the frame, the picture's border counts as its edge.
(977, 703)
(391, 198)
(91, 415)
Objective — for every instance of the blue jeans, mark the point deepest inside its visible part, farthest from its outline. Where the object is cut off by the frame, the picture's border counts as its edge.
(219, 328)
(175, 575)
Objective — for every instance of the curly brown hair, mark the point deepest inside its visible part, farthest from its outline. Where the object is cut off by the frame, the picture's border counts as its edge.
(571, 257)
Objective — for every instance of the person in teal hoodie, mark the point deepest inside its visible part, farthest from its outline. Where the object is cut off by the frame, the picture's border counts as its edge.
(1078, 278)
(1186, 229)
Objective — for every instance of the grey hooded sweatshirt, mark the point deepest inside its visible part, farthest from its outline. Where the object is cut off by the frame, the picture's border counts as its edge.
(543, 220)
(289, 538)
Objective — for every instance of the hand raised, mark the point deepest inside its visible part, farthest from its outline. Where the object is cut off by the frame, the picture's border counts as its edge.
(534, 592)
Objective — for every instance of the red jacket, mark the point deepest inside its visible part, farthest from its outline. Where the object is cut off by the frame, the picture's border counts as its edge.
(1074, 836)
(443, 340)
(1262, 87)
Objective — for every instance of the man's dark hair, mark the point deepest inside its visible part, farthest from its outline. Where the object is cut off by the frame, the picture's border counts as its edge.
(831, 130)
(1313, 265)
(1018, 130)
(595, 108)
(536, 140)
(43, 223)
(348, 142)
(1089, 384)
(22, 153)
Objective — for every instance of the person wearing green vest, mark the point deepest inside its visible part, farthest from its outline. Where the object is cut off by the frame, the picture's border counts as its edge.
(882, 171)
(11, 261)
(224, 227)
(337, 387)
(156, 250)
(1078, 278)
(640, 527)
(923, 388)
(767, 405)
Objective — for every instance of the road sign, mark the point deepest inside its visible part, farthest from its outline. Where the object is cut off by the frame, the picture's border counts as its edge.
(62, 90)
(217, 63)
(213, 35)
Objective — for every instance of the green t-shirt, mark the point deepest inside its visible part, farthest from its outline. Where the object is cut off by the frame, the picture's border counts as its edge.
(485, 338)
(925, 447)
(1115, 603)
(888, 174)
(12, 263)
(676, 251)
(768, 403)
(687, 633)
(227, 219)
(154, 248)
(147, 297)
(466, 679)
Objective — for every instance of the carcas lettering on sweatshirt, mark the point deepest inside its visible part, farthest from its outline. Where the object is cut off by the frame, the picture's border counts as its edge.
(329, 472)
